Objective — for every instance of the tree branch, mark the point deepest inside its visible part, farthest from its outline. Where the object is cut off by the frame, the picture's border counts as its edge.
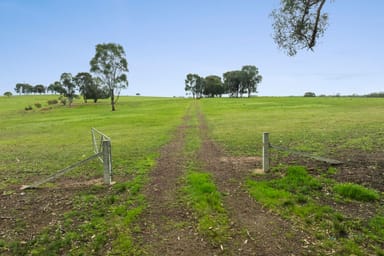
(315, 29)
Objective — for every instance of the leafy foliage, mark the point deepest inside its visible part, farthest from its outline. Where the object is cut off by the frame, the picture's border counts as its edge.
(236, 82)
(309, 94)
(89, 87)
(213, 86)
(68, 87)
(298, 24)
(111, 67)
(194, 84)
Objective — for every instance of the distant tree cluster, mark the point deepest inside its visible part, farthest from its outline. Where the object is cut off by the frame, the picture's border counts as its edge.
(376, 95)
(309, 94)
(109, 67)
(236, 83)
(25, 88)
(89, 87)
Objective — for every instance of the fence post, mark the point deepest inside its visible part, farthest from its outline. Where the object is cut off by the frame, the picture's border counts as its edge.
(265, 151)
(107, 162)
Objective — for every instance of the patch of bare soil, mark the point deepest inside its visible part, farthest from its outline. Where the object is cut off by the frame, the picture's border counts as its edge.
(255, 230)
(366, 169)
(166, 228)
(25, 213)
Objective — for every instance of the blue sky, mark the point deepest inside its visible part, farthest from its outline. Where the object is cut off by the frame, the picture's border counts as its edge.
(165, 40)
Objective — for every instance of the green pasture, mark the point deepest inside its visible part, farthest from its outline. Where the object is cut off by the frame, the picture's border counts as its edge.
(39, 142)
(321, 125)
(36, 143)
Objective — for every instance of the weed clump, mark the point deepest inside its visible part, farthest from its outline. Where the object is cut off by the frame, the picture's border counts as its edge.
(356, 192)
(52, 102)
(297, 180)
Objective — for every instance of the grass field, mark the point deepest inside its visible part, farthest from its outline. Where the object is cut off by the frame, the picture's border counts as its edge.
(100, 220)
(40, 142)
(320, 125)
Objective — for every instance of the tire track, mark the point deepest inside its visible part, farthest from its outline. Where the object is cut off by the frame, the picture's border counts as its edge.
(255, 230)
(166, 227)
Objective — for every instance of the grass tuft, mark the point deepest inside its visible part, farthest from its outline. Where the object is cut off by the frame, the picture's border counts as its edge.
(356, 192)
(206, 201)
(297, 180)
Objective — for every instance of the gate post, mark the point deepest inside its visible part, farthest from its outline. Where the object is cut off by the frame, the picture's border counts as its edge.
(266, 152)
(107, 162)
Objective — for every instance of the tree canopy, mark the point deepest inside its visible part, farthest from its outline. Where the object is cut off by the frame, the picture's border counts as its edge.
(110, 65)
(195, 84)
(89, 87)
(68, 86)
(236, 83)
(298, 24)
(213, 86)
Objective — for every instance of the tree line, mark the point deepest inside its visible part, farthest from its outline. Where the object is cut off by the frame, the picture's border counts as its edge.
(109, 67)
(89, 87)
(235, 83)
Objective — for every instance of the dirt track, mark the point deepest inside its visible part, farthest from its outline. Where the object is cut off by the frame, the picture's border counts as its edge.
(168, 228)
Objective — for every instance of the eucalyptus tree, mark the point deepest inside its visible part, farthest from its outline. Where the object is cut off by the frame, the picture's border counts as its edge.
(298, 24)
(18, 88)
(213, 86)
(195, 84)
(56, 87)
(68, 87)
(39, 89)
(110, 65)
(233, 82)
(250, 78)
(89, 87)
(24, 88)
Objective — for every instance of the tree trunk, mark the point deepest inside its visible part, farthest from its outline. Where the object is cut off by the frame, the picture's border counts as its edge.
(113, 100)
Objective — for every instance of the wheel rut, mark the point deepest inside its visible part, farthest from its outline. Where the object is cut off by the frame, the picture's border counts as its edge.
(168, 227)
(255, 230)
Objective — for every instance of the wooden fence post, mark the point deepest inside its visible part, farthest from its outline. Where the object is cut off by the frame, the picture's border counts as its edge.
(107, 162)
(265, 151)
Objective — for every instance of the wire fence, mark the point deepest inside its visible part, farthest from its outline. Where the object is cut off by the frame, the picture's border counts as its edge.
(267, 146)
(102, 149)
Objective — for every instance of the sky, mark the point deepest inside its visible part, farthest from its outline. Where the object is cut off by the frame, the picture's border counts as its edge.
(165, 40)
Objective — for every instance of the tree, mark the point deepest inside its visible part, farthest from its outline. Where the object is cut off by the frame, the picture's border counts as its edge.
(213, 86)
(193, 84)
(232, 82)
(90, 87)
(111, 67)
(298, 24)
(68, 85)
(7, 94)
(309, 94)
(39, 89)
(56, 87)
(27, 89)
(24, 88)
(19, 88)
(251, 78)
